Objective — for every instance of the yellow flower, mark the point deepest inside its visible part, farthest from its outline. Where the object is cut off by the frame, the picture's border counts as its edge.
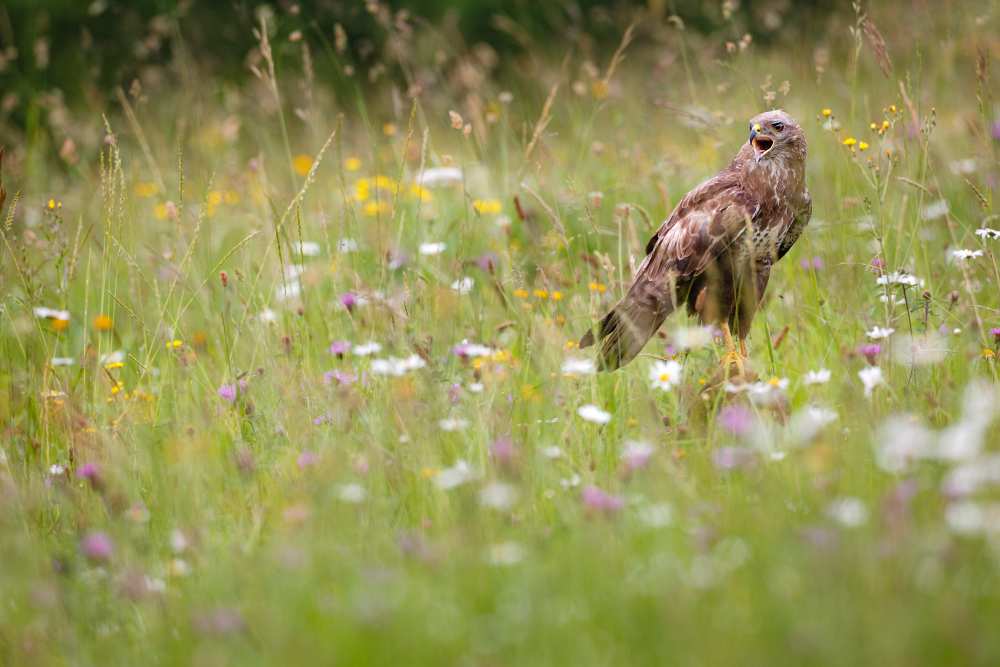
(116, 387)
(428, 473)
(598, 287)
(53, 204)
(827, 112)
(103, 323)
(160, 211)
(988, 353)
(145, 189)
(521, 293)
(111, 365)
(873, 126)
(863, 145)
(214, 198)
(302, 163)
(385, 183)
(374, 208)
(420, 192)
(850, 141)
(361, 189)
(352, 164)
(389, 129)
(174, 344)
(487, 206)
(541, 294)
(59, 324)
(599, 89)
(231, 197)
(557, 295)
(570, 345)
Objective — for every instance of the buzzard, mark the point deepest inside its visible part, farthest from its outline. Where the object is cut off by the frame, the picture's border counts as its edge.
(715, 251)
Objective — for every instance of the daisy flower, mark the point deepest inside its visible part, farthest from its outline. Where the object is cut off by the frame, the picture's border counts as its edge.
(593, 414)
(665, 375)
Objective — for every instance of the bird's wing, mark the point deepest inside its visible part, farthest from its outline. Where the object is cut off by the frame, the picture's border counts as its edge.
(703, 225)
(795, 230)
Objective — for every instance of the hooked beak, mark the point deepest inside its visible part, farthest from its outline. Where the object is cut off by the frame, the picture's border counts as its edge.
(761, 142)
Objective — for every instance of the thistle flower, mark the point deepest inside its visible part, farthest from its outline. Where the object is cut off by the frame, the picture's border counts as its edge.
(870, 351)
(736, 419)
(340, 347)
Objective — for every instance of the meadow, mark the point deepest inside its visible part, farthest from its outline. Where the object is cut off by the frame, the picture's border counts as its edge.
(290, 373)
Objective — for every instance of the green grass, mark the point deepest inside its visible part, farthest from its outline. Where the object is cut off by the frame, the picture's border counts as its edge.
(305, 520)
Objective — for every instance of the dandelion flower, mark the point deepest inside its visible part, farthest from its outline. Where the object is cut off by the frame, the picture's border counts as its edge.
(487, 206)
(849, 142)
(352, 164)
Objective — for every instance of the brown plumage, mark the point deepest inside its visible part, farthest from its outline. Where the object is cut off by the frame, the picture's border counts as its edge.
(715, 251)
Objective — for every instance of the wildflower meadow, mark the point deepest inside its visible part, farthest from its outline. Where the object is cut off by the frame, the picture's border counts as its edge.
(290, 304)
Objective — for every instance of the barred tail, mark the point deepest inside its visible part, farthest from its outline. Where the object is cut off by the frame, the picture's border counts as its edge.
(625, 330)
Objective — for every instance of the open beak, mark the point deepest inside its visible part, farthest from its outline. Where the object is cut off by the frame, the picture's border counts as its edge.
(761, 142)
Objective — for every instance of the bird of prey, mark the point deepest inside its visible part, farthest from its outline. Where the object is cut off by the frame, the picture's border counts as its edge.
(715, 251)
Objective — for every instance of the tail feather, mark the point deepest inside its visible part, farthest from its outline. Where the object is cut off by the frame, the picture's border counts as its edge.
(625, 330)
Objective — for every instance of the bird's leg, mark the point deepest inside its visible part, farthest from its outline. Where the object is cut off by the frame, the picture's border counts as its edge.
(732, 357)
(743, 348)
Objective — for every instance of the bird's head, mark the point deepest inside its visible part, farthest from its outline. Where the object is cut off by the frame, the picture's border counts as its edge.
(775, 134)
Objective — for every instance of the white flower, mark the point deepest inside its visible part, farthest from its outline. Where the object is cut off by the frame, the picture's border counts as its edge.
(688, 338)
(570, 482)
(964, 166)
(367, 349)
(892, 300)
(966, 517)
(456, 475)
(657, 515)
(57, 469)
(878, 333)
(808, 422)
(901, 440)
(62, 361)
(115, 357)
(288, 291)
(433, 248)
(268, 315)
(988, 233)
(822, 376)
(463, 285)
(453, 424)
(306, 248)
(871, 377)
(935, 210)
(498, 495)
(51, 313)
(467, 349)
(397, 367)
(665, 375)
(900, 278)
(762, 393)
(439, 176)
(962, 254)
(575, 366)
(552, 452)
(922, 350)
(850, 512)
(505, 553)
(345, 246)
(592, 413)
(351, 493)
(476, 387)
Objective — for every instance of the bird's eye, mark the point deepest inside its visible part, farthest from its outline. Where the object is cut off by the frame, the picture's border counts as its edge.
(778, 126)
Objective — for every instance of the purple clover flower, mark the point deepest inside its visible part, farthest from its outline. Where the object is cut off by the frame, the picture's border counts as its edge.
(340, 347)
(227, 392)
(736, 419)
(97, 547)
(870, 351)
(600, 501)
(349, 300)
(503, 451)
